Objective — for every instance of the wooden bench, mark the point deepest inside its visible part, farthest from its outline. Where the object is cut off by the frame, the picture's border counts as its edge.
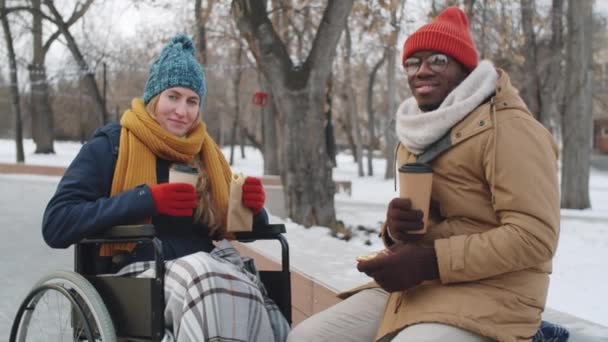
(271, 180)
(275, 198)
(309, 296)
(344, 186)
(32, 169)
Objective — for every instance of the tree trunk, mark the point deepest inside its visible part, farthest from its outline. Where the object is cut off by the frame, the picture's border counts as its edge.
(371, 115)
(300, 90)
(346, 125)
(469, 8)
(330, 136)
(530, 90)
(484, 29)
(14, 80)
(236, 82)
(550, 98)
(272, 119)
(280, 20)
(201, 31)
(389, 129)
(97, 115)
(213, 119)
(353, 112)
(235, 125)
(242, 138)
(270, 132)
(577, 121)
(41, 111)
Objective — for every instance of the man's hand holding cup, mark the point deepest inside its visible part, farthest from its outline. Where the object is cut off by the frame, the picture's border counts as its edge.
(402, 220)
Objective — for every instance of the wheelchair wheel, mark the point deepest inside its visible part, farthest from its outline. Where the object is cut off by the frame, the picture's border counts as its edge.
(63, 306)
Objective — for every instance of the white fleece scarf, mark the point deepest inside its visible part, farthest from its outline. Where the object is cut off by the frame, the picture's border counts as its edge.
(417, 130)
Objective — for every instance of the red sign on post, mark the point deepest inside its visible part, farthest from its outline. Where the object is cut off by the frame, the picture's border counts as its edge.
(260, 98)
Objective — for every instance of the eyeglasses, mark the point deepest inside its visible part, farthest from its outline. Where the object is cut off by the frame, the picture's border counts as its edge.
(437, 62)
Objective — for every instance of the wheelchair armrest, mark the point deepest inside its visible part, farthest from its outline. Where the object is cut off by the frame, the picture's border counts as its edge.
(265, 232)
(139, 233)
(274, 232)
(123, 232)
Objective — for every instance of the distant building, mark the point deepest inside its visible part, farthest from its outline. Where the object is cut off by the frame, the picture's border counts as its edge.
(600, 135)
(600, 95)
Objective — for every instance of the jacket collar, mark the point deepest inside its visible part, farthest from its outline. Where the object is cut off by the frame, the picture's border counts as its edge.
(505, 97)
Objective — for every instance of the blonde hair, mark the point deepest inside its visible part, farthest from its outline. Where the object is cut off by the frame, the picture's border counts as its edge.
(205, 211)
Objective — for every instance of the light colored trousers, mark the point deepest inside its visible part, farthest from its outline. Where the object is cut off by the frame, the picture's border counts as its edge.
(356, 319)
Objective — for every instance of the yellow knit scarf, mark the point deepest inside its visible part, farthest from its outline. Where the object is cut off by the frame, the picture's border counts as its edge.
(142, 140)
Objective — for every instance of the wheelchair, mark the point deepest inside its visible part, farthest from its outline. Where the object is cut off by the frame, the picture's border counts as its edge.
(88, 306)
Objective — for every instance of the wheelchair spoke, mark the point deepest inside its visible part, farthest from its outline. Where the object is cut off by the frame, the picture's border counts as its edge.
(62, 306)
(59, 315)
(50, 318)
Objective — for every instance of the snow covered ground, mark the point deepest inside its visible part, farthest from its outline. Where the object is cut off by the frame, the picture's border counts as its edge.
(580, 273)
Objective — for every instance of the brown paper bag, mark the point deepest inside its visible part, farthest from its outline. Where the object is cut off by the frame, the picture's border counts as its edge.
(240, 218)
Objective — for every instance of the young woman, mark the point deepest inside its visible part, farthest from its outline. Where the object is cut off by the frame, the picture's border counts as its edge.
(120, 177)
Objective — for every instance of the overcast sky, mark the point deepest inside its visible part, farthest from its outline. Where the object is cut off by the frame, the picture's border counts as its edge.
(602, 6)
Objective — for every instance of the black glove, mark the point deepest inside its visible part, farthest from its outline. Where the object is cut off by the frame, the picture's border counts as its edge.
(402, 266)
(401, 219)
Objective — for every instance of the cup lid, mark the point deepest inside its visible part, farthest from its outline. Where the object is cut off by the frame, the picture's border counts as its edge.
(183, 168)
(416, 168)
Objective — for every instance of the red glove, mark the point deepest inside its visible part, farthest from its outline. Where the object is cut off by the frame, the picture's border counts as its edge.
(174, 199)
(402, 267)
(253, 194)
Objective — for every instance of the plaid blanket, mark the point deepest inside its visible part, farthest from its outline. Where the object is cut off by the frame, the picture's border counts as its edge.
(215, 297)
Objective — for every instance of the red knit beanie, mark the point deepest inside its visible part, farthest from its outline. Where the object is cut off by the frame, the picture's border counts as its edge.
(448, 33)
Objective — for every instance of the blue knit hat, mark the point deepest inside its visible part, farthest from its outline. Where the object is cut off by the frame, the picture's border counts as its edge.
(176, 66)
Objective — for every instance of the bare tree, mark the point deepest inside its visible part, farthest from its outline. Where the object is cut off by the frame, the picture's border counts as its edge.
(299, 90)
(353, 112)
(438, 7)
(530, 89)
(371, 114)
(41, 110)
(14, 82)
(272, 119)
(98, 114)
(346, 121)
(577, 120)
(236, 82)
(389, 129)
(330, 136)
(202, 17)
(469, 8)
(369, 18)
(549, 110)
(271, 132)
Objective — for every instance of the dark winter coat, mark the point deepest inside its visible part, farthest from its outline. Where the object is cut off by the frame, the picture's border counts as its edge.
(82, 205)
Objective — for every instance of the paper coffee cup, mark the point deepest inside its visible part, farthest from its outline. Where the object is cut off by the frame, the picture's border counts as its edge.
(182, 173)
(415, 183)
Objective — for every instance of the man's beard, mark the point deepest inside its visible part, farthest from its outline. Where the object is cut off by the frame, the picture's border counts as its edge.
(429, 107)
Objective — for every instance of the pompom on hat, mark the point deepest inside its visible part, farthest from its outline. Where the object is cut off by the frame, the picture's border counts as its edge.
(176, 66)
(448, 33)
